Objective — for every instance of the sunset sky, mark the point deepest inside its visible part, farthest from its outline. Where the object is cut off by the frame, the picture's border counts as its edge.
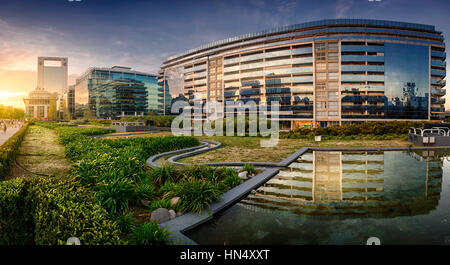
(141, 34)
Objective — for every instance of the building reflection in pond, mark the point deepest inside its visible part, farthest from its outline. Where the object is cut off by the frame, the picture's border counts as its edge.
(366, 184)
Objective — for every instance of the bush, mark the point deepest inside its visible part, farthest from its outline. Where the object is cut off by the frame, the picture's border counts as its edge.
(370, 128)
(158, 120)
(195, 194)
(100, 121)
(149, 233)
(249, 168)
(9, 149)
(115, 195)
(47, 211)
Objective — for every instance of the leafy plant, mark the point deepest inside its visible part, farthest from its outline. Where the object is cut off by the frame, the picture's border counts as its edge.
(159, 203)
(195, 194)
(116, 195)
(249, 168)
(149, 233)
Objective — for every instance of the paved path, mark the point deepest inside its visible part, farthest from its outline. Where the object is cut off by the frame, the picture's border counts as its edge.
(9, 132)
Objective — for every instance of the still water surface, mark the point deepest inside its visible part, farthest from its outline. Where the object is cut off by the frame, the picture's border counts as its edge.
(343, 198)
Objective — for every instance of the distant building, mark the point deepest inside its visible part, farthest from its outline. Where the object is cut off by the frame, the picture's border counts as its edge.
(68, 103)
(47, 100)
(41, 104)
(52, 74)
(113, 93)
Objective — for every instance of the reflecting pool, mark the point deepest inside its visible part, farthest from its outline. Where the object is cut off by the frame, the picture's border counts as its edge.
(343, 198)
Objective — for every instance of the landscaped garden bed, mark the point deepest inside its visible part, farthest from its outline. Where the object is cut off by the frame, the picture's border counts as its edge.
(122, 190)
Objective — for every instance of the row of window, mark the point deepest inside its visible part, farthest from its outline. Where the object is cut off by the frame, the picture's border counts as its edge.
(324, 113)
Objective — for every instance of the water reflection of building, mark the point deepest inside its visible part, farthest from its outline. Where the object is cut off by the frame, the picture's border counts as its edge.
(348, 184)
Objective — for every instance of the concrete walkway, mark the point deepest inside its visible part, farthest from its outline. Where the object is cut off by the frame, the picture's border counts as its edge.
(9, 132)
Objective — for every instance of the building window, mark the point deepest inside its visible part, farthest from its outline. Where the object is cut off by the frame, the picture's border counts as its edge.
(320, 46)
(320, 56)
(333, 46)
(321, 113)
(321, 66)
(321, 76)
(333, 66)
(321, 104)
(321, 94)
(332, 55)
(332, 113)
(332, 94)
(333, 105)
(333, 76)
(333, 85)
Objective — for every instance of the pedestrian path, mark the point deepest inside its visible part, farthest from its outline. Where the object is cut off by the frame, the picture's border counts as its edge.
(9, 132)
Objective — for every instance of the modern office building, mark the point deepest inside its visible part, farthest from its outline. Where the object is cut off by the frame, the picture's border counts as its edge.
(323, 72)
(52, 74)
(118, 92)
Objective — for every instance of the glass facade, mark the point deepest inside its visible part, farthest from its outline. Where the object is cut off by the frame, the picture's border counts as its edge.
(355, 70)
(117, 92)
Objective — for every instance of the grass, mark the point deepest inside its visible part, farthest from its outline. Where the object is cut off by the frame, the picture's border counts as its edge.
(248, 149)
(40, 153)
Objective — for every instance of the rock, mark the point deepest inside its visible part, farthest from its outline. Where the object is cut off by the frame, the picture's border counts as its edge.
(173, 214)
(179, 213)
(243, 175)
(253, 192)
(174, 201)
(160, 215)
(145, 202)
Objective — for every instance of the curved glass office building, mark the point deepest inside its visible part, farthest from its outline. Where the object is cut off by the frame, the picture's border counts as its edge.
(324, 72)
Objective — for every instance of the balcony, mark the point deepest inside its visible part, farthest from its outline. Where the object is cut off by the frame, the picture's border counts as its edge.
(249, 92)
(364, 98)
(436, 109)
(438, 54)
(278, 90)
(361, 58)
(362, 108)
(440, 73)
(438, 92)
(438, 63)
(438, 82)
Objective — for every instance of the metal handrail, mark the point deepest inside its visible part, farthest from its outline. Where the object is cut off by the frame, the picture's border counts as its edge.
(439, 131)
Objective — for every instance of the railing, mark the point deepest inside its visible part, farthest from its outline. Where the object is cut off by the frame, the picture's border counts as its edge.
(444, 131)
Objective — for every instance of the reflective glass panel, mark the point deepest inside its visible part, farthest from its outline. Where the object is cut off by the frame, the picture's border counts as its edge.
(406, 80)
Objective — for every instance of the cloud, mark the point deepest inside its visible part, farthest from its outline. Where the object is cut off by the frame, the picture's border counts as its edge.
(342, 7)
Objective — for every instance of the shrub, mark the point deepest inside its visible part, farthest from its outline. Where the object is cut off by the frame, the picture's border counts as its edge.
(9, 149)
(166, 172)
(195, 194)
(374, 128)
(158, 120)
(125, 222)
(231, 181)
(47, 211)
(249, 168)
(115, 195)
(159, 203)
(149, 233)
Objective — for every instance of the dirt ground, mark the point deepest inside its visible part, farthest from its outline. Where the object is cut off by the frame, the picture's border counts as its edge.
(40, 152)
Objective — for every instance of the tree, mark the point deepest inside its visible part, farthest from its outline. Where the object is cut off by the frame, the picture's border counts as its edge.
(9, 112)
